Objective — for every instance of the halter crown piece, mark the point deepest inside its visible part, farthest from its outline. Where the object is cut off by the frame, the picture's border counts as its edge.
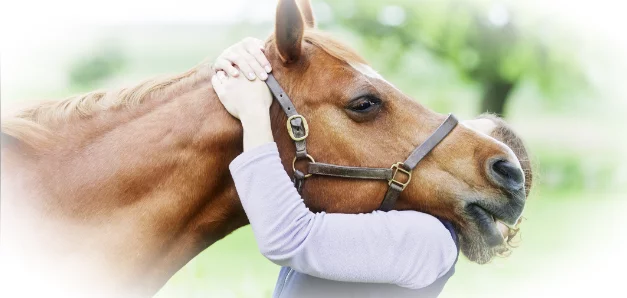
(398, 175)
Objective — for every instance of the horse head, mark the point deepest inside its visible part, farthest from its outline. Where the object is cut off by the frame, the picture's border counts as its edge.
(357, 118)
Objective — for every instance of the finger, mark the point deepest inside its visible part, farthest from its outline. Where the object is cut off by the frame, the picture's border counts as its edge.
(261, 44)
(253, 42)
(227, 66)
(239, 60)
(218, 87)
(255, 66)
(256, 47)
(255, 52)
(221, 76)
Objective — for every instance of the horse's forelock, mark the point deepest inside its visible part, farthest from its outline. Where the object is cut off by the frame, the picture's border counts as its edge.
(329, 45)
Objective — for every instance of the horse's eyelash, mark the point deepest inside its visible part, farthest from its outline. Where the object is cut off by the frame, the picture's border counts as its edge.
(370, 97)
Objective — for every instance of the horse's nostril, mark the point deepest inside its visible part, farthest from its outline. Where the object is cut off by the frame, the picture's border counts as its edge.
(501, 167)
(507, 174)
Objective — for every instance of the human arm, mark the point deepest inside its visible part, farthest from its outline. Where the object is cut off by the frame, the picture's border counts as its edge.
(406, 248)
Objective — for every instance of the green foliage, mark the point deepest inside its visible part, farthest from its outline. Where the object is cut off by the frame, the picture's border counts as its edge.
(487, 43)
(564, 171)
(94, 68)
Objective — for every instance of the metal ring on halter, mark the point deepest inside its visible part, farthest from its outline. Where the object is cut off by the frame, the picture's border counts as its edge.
(311, 160)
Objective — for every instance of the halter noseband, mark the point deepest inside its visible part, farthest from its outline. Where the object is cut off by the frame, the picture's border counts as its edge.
(298, 130)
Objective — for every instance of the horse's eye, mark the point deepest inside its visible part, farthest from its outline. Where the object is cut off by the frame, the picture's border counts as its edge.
(364, 104)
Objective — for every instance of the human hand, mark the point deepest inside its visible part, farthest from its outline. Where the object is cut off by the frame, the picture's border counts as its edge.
(247, 55)
(245, 100)
(248, 101)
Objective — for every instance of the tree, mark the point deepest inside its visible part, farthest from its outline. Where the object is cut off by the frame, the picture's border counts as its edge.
(92, 69)
(485, 41)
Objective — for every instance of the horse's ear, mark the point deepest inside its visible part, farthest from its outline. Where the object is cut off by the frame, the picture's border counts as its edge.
(305, 9)
(289, 30)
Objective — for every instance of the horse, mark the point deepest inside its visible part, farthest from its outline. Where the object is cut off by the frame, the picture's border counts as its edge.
(111, 192)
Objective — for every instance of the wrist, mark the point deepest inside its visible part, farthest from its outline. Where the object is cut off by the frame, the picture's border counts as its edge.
(254, 114)
(257, 130)
(255, 120)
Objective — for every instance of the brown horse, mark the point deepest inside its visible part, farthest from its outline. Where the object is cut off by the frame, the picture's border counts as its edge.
(110, 193)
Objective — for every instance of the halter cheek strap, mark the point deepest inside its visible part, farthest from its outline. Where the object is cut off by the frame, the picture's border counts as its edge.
(398, 175)
(297, 126)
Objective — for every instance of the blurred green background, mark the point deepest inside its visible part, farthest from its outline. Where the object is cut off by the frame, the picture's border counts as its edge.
(547, 66)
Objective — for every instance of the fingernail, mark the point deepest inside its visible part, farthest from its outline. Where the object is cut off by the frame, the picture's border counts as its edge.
(263, 76)
(268, 68)
(235, 73)
(251, 75)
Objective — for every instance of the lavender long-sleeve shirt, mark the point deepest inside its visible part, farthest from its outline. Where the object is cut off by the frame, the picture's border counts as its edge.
(396, 253)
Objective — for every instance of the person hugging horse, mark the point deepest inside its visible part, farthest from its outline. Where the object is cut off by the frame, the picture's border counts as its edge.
(110, 193)
(393, 254)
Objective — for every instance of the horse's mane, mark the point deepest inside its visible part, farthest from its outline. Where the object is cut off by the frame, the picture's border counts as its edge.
(34, 125)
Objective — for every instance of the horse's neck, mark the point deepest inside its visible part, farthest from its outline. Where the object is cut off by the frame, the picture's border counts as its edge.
(135, 193)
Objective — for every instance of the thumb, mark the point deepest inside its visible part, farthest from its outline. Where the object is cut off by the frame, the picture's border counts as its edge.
(218, 86)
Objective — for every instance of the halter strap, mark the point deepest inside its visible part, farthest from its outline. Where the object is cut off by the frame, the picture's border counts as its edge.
(395, 189)
(298, 130)
(395, 186)
(325, 169)
(297, 126)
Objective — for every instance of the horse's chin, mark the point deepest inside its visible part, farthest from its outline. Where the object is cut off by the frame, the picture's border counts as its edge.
(483, 238)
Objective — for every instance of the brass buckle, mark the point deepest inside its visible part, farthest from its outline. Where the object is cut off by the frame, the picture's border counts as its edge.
(311, 160)
(397, 167)
(290, 130)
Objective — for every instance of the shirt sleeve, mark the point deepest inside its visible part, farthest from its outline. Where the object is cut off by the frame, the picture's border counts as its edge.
(406, 248)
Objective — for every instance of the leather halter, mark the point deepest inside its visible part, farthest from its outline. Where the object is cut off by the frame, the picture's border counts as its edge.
(298, 130)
